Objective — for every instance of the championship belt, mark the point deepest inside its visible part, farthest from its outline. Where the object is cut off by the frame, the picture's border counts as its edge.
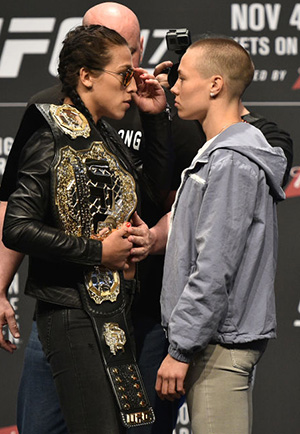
(92, 192)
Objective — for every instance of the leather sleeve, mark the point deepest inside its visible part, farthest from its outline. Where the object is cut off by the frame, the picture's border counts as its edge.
(29, 224)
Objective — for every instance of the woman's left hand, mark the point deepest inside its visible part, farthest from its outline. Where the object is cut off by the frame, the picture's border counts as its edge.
(150, 96)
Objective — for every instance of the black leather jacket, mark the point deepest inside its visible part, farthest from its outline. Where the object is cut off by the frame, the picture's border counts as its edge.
(32, 224)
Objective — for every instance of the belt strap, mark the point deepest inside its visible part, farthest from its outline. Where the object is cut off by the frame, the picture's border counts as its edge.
(113, 338)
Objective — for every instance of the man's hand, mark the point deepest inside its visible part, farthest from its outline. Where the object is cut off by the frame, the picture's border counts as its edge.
(140, 235)
(150, 96)
(161, 76)
(9, 264)
(116, 249)
(170, 379)
(148, 241)
(7, 317)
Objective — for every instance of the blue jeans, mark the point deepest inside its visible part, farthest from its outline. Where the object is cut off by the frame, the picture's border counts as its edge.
(38, 409)
(38, 396)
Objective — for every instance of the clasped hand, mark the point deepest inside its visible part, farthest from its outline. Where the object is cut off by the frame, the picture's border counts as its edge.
(129, 244)
(141, 237)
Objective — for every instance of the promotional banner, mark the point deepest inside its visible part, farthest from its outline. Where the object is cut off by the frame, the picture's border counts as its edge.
(31, 34)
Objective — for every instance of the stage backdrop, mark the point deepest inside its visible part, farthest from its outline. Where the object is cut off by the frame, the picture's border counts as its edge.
(30, 36)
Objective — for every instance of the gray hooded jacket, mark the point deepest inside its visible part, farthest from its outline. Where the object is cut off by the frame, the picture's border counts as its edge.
(220, 263)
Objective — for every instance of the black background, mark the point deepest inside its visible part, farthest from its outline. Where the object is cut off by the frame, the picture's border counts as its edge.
(277, 388)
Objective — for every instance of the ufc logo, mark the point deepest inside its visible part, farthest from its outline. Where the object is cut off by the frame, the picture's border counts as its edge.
(15, 48)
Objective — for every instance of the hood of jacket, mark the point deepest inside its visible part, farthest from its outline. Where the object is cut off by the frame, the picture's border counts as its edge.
(250, 142)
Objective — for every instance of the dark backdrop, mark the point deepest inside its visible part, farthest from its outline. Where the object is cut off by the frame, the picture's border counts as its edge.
(30, 34)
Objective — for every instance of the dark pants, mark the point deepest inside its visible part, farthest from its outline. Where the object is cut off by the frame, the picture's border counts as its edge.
(152, 348)
(38, 406)
(37, 394)
(85, 395)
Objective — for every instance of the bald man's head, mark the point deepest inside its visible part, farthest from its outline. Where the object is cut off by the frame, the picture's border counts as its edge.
(121, 19)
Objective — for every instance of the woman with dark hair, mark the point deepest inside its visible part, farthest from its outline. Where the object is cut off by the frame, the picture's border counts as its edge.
(70, 213)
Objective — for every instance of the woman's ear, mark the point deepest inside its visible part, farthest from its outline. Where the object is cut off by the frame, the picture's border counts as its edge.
(216, 85)
(85, 78)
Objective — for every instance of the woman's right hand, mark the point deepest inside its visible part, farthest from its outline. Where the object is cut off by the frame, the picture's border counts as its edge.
(116, 249)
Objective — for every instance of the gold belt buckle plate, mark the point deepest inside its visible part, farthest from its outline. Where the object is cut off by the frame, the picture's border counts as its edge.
(103, 285)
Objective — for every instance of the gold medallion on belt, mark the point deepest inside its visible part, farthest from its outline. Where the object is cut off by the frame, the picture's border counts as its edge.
(93, 191)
